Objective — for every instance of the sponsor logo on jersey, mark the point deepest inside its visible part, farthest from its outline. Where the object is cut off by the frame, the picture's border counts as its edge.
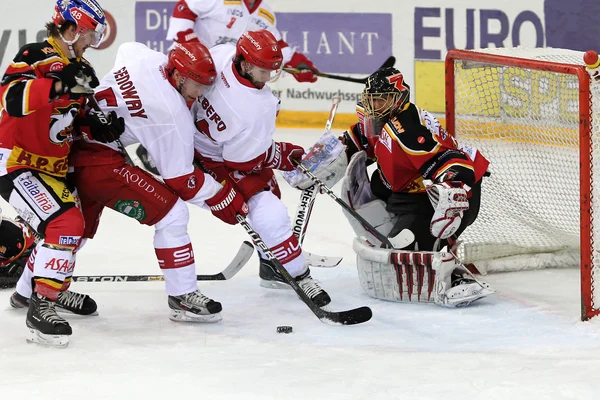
(69, 240)
(132, 208)
(52, 165)
(136, 179)
(31, 188)
(60, 265)
(386, 140)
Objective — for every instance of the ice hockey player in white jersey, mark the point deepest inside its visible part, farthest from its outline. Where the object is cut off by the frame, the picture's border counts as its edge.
(152, 93)
(215, 22)
(236, 122)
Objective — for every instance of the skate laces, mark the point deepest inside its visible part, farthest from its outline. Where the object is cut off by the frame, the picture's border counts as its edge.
(195, 298)
(47, 312)
(71, 299)
(310, 286)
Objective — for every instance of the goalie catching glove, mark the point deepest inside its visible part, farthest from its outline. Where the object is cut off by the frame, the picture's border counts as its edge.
(449, 201)
(227, 203)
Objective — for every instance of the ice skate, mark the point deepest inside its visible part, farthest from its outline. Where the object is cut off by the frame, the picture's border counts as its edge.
(271, 278)
(194, 307)
(46, 327)
(68, 301)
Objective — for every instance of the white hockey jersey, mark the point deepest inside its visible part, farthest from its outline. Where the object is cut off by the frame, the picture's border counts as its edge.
(155, 114)
(235, 120)
(224, 21)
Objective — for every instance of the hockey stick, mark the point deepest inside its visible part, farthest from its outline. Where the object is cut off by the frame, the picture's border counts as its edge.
(240, 259)
(307, 201)
(401, 240)
(388, 63)
(102, 117)
(349, 317)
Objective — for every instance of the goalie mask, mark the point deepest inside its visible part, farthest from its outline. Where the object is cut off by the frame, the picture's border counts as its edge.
(385, 92)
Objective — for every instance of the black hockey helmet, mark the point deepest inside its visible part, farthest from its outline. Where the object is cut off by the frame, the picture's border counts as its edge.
(384, 93)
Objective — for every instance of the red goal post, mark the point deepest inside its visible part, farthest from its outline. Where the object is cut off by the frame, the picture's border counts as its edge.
(530, 111)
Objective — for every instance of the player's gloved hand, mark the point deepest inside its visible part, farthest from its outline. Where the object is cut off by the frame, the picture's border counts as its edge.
(227, 203)
(300, 61)
(449, 200)
(101, 131)
(281, 156)
(187, 36)
(76, 78)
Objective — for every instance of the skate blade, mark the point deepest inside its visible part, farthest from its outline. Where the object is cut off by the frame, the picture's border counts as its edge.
(274, 285)
(468, 300)
(37, 337)
(186, 316)
(61, 310)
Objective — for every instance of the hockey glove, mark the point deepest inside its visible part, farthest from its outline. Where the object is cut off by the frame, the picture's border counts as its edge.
(300, 61)
(77, 78)
(227, 203)
(449, 200)
(187, 36)
(101, 131)
(281, 156)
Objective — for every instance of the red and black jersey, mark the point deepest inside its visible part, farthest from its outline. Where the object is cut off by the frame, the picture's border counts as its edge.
(36, 131)
(411, 147)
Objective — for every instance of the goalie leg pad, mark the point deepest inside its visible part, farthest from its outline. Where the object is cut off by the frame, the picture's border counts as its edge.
(386, 274)
(416, 276)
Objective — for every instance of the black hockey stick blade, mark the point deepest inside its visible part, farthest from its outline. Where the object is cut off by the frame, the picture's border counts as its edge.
(349, 317)
(240, 259)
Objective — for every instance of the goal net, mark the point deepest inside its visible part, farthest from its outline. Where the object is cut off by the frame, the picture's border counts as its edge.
(531, 113)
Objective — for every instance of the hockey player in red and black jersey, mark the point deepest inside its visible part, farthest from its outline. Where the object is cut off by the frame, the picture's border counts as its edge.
(424, 193)
(42, 97)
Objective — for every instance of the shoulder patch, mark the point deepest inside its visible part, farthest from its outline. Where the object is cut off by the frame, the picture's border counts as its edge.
(266, 14)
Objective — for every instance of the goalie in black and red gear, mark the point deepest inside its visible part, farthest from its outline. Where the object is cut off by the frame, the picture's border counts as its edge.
(414, 153)
(426, 186)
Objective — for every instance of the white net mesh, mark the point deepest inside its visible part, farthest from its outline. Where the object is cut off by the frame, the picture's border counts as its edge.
(526, 122)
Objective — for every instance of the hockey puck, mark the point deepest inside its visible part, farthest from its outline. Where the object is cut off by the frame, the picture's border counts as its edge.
(284, 329)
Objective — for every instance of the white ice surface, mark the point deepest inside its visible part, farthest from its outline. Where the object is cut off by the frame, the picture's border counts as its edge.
(524, 343)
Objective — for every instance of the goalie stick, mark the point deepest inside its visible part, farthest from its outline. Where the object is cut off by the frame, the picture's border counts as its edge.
(349, 317)
(240, 259)
(307, 201)
(402, 239)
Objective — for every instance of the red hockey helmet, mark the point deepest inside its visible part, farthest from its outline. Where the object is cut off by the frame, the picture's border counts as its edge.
(260, 48)
(193, 61)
